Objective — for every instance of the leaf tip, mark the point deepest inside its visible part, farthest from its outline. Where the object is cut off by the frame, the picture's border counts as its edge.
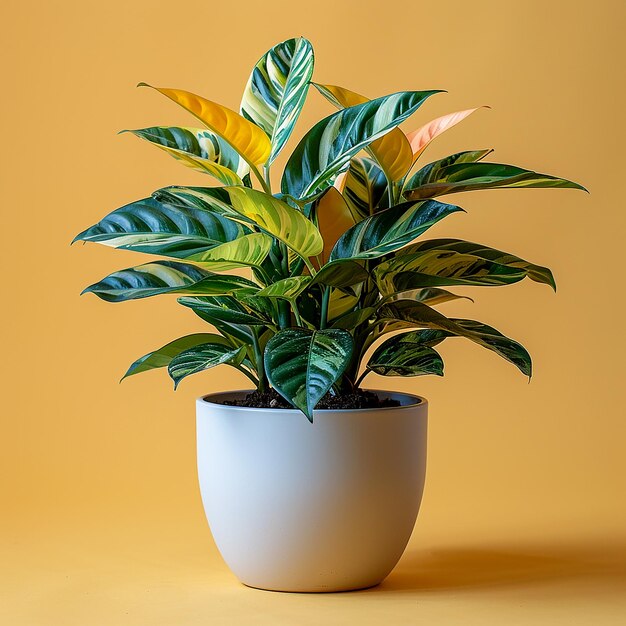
(142, 84)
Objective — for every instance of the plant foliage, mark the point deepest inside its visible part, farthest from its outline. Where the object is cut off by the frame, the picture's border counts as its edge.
(334, 264)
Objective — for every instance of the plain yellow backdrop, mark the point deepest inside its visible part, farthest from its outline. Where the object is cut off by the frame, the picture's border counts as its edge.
(523, 518)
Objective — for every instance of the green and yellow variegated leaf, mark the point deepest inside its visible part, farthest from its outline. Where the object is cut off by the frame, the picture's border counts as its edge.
(392, 151)
(421, 138)
(162, 227)
(364, 188)
(249, 250)
(277, 89)
(257, 209)
(327, 148)
(402, 355)
(406, 314)
(199, 149)
(245, 137)
(428, 295)
(333, 219)
(437, 268)
(534, 272)
(341, 303)
(225, 310)
(286, 289)
(151, 279)
(302, 365)
(390, 229)
(202, 357)
(473, 176)
(341, 273)
(163, 355)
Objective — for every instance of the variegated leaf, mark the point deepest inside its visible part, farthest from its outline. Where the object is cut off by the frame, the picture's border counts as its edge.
(257, 209)
(249, 250)
(162, 277)
(224, 310)
(392, 151)
(285, 289)
(302, 365)
(364, 188)
(245, 137)
(340, 273)
(390, 229)
(406, 314)
(277, 89)
(327, 148)
(437, 268)
(199, 149)
(431, 296)
(202, 357)
(163, 227)
(402, 355)
(162, 356)
(534, 272)
(472, 176)
(421, 138)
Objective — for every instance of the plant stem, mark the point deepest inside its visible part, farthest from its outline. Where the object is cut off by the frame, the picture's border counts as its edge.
(325, 303)
(262, 383)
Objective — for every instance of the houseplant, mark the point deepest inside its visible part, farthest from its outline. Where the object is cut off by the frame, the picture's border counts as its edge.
(326, 270)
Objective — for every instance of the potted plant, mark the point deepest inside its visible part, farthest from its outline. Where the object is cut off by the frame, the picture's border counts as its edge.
(311, 483)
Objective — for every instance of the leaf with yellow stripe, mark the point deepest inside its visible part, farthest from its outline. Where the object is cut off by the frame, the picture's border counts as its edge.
(249, 250)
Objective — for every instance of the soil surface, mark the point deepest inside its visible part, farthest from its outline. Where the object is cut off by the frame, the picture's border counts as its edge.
(358, 400)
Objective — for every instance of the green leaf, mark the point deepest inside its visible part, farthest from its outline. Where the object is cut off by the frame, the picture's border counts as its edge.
(435, 268)
(160, 226)
(286, 289)
(218, 310)
(351, 320)
(277, 89)
(203, 357)
(390, 229)
(340, 273)
(534, 272)
(199, 149)
(259, 210)
(327, 148)
(428, 295)
(407, 314)
(364, 187)
(249, 250)
(302, 365)
(151, 279)
(472, 176)
(163, 356)
(405, 355)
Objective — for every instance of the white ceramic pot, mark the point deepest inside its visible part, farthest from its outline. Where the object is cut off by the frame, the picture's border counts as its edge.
(327, 506)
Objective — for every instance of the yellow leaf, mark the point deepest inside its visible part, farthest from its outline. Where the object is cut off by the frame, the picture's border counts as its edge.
(333, 219)
(244, 136)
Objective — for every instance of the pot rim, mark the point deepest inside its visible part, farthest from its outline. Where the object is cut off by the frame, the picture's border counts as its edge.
(413, 399)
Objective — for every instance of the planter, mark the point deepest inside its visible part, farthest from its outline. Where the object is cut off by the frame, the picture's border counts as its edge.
(295, 506)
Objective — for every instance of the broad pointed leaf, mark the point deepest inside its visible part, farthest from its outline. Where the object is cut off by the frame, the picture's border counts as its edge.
(277, 89)
(163, 356)
(472, 176)
(249, 250)
(341, 273)
(334, 218)
(199, 149)
(221, 309)
(161, 277)
(428, 295)
(406, 314)
(401, 355)
(327, 148)
(285, 289)
(421, 138)
(202, 357)
(245, 137)
(392, 151)
(437, 268)
(390, 229)
(161, 227)
(534, 272)
(302, 365)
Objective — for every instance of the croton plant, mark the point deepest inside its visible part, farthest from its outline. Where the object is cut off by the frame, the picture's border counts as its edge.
(328, 267)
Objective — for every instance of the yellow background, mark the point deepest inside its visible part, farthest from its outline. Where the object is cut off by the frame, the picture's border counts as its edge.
(523, 518)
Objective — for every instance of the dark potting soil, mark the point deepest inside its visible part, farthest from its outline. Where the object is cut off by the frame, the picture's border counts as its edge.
(357, 400)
